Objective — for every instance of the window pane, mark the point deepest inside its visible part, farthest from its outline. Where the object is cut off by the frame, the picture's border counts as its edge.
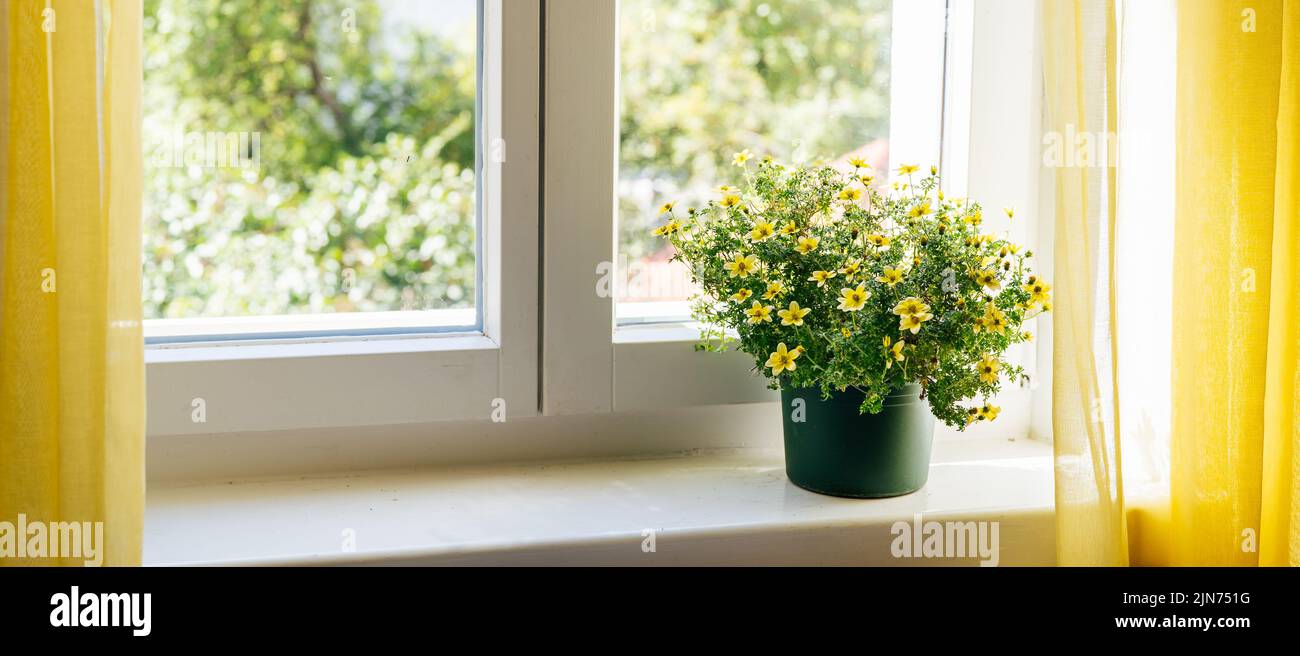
(704, 79)
(309, 157)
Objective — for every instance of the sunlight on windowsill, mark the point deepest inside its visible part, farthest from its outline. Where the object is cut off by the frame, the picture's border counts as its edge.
(732, 506)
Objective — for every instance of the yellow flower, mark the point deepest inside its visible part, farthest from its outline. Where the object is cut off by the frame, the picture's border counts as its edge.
(783, 360)
(993, 321)
(851, 193)
(844, 330)
(890, 277)
(866, 180)
(724, 189)
(988, 369)
(1011, 212)
(762, 231)
(668, 207)
(730, 200)
(774, 289)
(851, 269)
(821, 277)
(908, 169)
(742, 296)
(807, 245)
(667, 228)
(852, 300)
(920, 210)
(789, 228)
(893, 353)
(1038, 292)
(741, 157)
(880, 241)
(742, 266)
(988, 278)
(974, 218)
(911, 306)
(758, 313)
(1027, 336)
(989, 412)
(913, 322)
(858, 163)
(793, 316)
(912, 313)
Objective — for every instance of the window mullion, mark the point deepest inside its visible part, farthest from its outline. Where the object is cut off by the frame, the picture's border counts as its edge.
(580, 165)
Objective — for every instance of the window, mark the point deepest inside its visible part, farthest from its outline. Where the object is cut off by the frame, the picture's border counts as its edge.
(386, 281)
(310, 169)
(653, 73)
(700, 81)
(554, 221)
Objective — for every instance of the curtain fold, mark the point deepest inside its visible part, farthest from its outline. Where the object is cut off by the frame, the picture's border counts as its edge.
(1233, 378)
(72, 375)
(1280, 505)
(1233, 449)
(1080, 83)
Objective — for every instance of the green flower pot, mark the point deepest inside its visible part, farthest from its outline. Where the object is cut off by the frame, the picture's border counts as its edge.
(832, 449)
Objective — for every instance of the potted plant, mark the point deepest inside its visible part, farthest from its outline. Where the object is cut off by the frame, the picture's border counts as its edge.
(873, 311)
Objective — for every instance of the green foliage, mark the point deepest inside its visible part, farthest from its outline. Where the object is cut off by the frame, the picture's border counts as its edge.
(701, 79)
(817, 263)
(367, 139)
(363, 194)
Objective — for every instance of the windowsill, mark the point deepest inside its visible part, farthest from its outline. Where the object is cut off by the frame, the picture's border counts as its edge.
(726, 507)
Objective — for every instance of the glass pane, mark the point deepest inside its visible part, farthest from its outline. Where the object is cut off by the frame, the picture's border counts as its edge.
(308, 157)
(704, 79)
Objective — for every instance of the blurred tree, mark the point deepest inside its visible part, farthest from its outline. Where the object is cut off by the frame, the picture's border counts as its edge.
(703, 79)
(362, 197)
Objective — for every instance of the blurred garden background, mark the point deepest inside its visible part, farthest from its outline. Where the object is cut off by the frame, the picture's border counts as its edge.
(704, 79)
(360, 192)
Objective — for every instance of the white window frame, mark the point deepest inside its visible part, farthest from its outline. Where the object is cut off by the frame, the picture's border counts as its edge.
(993, 152)
(334, 382)
(594, 365)
(549, 344)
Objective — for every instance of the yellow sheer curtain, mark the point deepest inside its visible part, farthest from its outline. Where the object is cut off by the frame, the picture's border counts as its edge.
(71, 363)
(1234, 433)
(1079, 75)
(1280, 522)
(1233, 471)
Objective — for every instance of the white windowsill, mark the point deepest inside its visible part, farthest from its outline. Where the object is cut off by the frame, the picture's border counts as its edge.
(733, 507)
